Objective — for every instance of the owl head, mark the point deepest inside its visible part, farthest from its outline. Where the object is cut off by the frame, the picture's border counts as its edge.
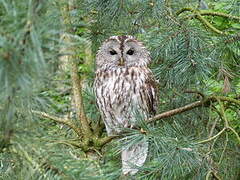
(122, 51)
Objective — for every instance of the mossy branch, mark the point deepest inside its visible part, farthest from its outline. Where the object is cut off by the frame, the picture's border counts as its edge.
(198, 14)
(64, 121)
(77, 96)
(183, 10)
(76, 80)
(210, 13)
(208, 24)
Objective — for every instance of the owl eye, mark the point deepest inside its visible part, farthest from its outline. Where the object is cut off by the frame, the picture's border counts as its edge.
(113, 52)
(130, 52)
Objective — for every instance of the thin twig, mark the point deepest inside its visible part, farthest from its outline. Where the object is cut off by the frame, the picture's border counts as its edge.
(223, 116)
(183, 10)
(235, 132)
(224, 149)
(228, 99)
(213, 127)
(213, 137)
(196, 92)
(222, 113)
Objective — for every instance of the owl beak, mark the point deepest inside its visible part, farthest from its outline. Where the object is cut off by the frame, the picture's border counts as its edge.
(121, 62)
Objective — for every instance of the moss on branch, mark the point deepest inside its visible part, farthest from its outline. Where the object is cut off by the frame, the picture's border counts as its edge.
(64, 121)
(210, 13)
(198, 14)
(77, 96)
(208, 24)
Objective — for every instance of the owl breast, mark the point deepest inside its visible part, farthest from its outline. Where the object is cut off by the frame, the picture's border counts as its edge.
(122, 92)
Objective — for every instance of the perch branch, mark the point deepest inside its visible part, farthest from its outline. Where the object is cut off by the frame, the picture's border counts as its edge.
(176, 111)
(204, 102)
(193, 105)
(183, 10)
(64, 121)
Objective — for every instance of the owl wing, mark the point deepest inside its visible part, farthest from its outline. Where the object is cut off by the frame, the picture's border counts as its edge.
(135, 155)
(150, 93)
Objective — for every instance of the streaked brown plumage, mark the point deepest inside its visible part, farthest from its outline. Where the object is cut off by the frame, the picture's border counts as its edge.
(124, 84)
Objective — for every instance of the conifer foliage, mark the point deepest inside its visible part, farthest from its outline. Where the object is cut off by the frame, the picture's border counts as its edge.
(50, 127)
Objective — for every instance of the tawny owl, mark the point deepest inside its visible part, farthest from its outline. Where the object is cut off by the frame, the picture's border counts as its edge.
(123, 84)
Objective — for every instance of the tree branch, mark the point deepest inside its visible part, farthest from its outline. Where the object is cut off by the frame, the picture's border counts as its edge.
(77, 96)
(195, 92)
(70, 143)
(193, 105)
(183, 10)
(101, 142)
(76, 80)
(228, 99)
(176, 111)
(208, 24)
(200, 13)
(64, 121)
(210, 13)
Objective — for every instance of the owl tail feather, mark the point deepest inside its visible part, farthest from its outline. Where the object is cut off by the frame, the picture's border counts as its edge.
(134, 157)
